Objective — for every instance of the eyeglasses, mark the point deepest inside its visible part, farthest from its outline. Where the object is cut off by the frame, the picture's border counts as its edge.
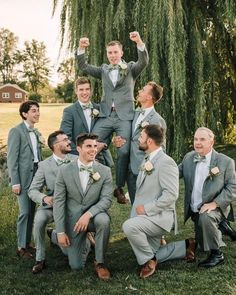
(63, 140)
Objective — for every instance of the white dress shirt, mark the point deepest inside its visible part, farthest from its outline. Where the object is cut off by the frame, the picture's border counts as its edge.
(141, 116)
(88, 115)
(84, 175)
(201, 173)
(34, 142)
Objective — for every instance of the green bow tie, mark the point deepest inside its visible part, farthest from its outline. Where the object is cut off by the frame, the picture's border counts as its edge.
(60, 162)
(89, 169)
(113, 67)
(87, 106)
(198, 158)
(32, 129)
(140, 110)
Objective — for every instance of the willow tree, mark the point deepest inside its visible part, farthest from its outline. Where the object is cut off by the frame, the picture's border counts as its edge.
(191, 46)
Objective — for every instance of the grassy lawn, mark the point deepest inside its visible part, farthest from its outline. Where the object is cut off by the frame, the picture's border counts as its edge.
(176, 277)
(50, 118)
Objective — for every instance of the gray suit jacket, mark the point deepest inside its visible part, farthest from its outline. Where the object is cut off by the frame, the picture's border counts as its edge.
(122, 94)
(44, 180)
(73, 123)
(136, 155)
(69, 200)
(220, 188)
(20, 157)
(158, 192)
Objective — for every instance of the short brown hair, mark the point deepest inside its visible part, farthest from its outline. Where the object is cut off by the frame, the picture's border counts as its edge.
(155, 132)
(156, 91)
(80, 81)
(115, 42)
(83, 136)
(52, 138)
(25, 107)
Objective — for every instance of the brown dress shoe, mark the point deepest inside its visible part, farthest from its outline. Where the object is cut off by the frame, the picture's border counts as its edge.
(119, 194)
(31, 248)
(24, 253)
(190, 250)
(38, 267)
(148, 269)
(102, 272)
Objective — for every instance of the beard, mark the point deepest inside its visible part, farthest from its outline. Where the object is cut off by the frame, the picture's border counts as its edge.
(142, 147)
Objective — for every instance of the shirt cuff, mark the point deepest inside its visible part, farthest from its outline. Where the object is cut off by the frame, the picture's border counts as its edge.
(140, 47)
(62, 233)
(15, 185)
(90, 214)
(80, 51)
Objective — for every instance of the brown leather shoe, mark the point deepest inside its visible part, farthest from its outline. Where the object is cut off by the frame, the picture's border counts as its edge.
(148, 269)
(38, 267)
(119, 194)
(31, 248)
(101, 271)
(190, 250)
(24, 253)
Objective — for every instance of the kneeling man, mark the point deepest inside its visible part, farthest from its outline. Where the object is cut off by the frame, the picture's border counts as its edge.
(153, 212)
(83, 194)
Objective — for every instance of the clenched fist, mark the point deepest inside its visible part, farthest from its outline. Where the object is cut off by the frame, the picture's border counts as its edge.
(83, 42)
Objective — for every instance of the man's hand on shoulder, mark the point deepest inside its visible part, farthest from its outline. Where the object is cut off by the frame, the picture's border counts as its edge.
(83, 43)
(135, 37)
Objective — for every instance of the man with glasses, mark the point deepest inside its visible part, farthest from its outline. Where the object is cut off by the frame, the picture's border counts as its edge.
(41, 190)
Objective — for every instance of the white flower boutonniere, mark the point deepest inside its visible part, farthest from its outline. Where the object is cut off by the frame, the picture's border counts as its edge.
(214, 172)
(95, 113)
(42, 140)
(123, 69)
(95, 176)
(147, 167)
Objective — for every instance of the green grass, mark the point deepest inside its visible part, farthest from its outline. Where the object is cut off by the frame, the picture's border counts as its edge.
(175, 277)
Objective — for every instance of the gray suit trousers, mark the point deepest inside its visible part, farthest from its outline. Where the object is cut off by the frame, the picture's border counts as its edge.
(207, 231)
(131, 184)
(78, 250)
(42, 218)
(104, 128)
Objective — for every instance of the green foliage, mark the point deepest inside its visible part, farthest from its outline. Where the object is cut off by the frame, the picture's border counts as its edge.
(35, 97)
(65, 91)
(192, 54)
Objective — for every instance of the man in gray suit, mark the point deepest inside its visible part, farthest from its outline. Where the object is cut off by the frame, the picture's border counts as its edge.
(210, 188)
(153, 212)
(148, 96)
(81, 117)
(83, 195)
(117, 102)
(41, 190)
(24, 153)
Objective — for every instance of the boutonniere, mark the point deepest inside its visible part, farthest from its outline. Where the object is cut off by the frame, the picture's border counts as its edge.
(94, 113)
(214, 172)
(147, 167)
(95, 176)
(143, 124)
(41, 139)
(123, 69)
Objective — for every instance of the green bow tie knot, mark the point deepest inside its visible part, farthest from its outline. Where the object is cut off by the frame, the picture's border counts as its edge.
(89, 169)
(113, 67)
(61, 162)
(87, 106)
(198, 158)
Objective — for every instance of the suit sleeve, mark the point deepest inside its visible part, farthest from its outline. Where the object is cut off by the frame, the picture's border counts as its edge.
(169, 182)
(59, 205)
(13, 145)
(67, 125)
(105, 200)
(228, 193)
(88, 69)
(36, 187)
(141, 63)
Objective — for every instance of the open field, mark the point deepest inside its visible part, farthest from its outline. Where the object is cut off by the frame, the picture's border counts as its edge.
(50, 118)
(176, 277)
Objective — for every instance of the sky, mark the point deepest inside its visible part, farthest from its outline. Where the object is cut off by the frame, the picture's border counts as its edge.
(32, 19)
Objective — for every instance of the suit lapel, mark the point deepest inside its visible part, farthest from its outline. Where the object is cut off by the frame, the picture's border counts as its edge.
(75, 173)
(81, 115)
(93, 120)
(192, 168)
(134, 131)
(91, 181)
(106, 71)
(25, 130)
